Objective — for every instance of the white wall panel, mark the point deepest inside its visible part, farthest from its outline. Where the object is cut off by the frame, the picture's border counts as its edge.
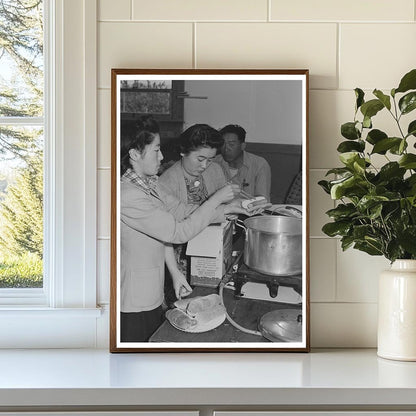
(316, 10)
(104, 128)
(344, 325)
(114, 10)
(104, 202)
(357, 275)
(259, 45)
(345, 44)
(376, 55)
(103, 271)
(319, 202)
(142, 45)
(323, 269)
(200, 10)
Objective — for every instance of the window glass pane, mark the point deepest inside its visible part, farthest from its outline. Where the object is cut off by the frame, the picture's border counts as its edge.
(21, 213)
(145, 102)
(21, 58)
(21, 145)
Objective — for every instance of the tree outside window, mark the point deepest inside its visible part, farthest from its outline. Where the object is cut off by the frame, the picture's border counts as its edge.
(21, 143)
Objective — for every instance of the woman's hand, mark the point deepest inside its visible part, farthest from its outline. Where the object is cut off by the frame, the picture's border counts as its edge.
(235, 207)
(227, 193)
(180, 285)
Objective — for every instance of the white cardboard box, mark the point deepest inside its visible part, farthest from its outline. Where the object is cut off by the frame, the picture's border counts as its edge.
(210, 254)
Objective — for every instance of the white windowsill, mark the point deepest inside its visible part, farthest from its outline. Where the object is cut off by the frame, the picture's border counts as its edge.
(40, 327)
(331, 379)
(36, 312)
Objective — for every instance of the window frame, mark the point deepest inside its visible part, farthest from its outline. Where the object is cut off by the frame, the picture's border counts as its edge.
(38, 296)
(71, 211)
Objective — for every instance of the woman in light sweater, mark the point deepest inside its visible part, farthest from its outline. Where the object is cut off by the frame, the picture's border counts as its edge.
(150, 217)
(194, 178)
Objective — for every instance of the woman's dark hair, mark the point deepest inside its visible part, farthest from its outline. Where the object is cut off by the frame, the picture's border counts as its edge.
(236, 129)
(136, 136)
(197, 136)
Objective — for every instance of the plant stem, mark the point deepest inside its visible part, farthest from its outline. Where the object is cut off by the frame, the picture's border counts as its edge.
(397, 118)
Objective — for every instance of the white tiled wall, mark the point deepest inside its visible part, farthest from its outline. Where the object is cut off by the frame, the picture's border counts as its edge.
(345, 44)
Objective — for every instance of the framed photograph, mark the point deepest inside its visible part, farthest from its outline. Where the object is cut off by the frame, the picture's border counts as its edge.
(209, 211)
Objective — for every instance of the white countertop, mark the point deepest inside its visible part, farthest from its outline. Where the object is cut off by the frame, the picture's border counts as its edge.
(96, 377)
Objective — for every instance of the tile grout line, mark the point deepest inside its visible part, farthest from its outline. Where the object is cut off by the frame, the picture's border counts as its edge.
(336, 271)
(269, 11)
(254, 21)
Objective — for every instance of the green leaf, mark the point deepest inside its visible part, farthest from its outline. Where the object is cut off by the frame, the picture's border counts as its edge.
(346, 242)
(342, 211)
(369, 201)
(325, 186)
(408, 161)
(408, 102)
(375, 135)
(399, 148)
(352, 186)
(393, 250)
(411, 183)
(408, 82)
(359, 95)
(402, 147)
(371, 108)
(407, 239)
(375, 211)
(369, 248)
(411, 180)
(385, 99)
(391, 170)
(338, 171)
(359, 166)
(348, 158)
(350, 146)
(411, 130)
(367, 122)
(349, 131)
(386, 144)
(338, 189)
(333, 229)
(361, 231)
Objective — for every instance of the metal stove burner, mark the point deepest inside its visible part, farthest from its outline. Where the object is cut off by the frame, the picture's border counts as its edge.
(244, 274)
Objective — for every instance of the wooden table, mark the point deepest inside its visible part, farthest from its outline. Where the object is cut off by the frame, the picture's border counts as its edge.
(246, 312)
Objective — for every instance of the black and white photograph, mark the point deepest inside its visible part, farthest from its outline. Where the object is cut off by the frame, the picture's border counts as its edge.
(209, 210)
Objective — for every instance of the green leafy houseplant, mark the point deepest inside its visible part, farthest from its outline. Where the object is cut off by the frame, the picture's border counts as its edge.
(376, 210)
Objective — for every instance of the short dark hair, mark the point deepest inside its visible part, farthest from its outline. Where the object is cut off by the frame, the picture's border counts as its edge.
(236, 129)
(137, 137)
(199, 135)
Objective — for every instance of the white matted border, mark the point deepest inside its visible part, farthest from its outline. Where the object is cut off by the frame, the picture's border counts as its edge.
(119, 75)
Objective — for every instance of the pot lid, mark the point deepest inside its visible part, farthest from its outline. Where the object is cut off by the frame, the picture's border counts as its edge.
(282, 325)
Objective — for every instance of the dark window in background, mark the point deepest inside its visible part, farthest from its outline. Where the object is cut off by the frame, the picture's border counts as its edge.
(164, 100)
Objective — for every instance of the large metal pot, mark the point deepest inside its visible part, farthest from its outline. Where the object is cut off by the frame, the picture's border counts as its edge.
(273, 245)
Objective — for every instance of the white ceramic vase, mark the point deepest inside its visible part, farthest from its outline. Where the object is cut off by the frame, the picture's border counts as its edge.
(397, 312)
